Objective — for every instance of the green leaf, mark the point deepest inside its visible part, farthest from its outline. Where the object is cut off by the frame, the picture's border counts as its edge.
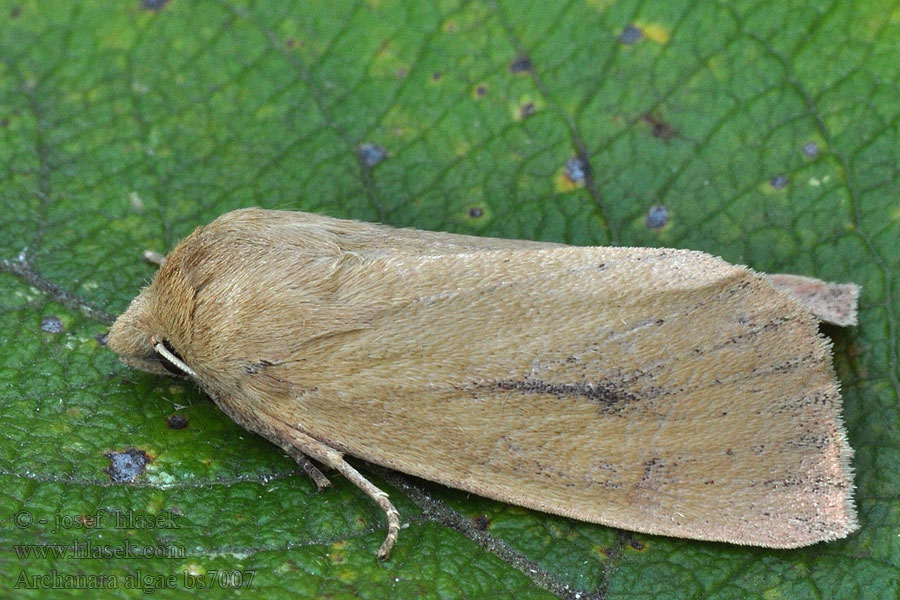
(764, 132)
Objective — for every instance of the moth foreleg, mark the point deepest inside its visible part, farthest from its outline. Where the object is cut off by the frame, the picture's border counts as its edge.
(301, 448)
(381, 498)
(312, 470)
(297, 443)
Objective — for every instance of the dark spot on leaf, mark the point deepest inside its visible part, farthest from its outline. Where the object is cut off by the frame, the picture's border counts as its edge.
(482, 522)
(657, 217)
(371, 154)
(52, 324)
(811, 149)
(631, 35)
(4, 122)
(101, 339)
(177, 422)
(290, 43)
(126, 466)
(636, 544)
(527, 109)
(577, 169)
(481, 91)
(154, 5)
(659, 128)
(521, 64)
(15, 12)
(779, 182)
(476, 212)
(436, 76)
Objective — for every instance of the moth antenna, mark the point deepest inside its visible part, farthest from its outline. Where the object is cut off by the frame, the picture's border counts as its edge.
(161, 349)
(154, 257)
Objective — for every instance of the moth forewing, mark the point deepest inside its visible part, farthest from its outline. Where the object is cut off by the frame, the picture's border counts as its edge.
(657, 390)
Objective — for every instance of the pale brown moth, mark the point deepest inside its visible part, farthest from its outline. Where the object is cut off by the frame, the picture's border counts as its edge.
(657, 390)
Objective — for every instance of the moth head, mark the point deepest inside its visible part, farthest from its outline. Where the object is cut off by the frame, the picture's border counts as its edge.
(153, 334)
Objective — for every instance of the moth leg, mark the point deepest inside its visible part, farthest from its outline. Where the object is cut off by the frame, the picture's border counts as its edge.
(299, 446)
(300, 442)
(230, 408)
(310, 469)
(381, 498)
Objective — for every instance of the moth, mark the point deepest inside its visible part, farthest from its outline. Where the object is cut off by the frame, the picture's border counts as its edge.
(657, 390)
